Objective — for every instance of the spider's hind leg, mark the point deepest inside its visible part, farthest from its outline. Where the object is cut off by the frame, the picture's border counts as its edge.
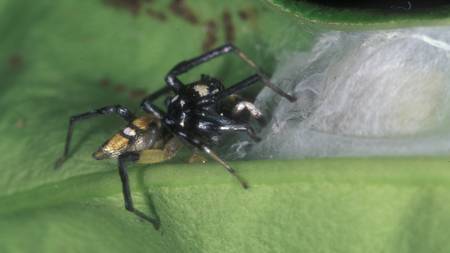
(128, 200)
(170, 149)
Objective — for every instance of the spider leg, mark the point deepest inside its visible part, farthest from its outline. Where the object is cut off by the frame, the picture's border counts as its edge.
(245, 106)
(121, 111)
(148, 107)
(227, 167)
(241, 85)
(199, 145)
(171, 78)
(155, 95)
(240, 128)
(147, 103)
(241, 105)
(167, 152)
(247, 82)
(196, 157)
(264, 78)
(215, 123)
(128, 200)
(176, 85)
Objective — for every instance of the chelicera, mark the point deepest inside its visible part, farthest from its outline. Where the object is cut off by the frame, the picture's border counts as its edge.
(196, 114)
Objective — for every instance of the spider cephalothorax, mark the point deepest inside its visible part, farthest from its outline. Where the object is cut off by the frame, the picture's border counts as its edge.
(197, 114)
(197, 110)
(203, 89)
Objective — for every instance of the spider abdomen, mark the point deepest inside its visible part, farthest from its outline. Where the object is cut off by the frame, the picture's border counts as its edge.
(142, 133)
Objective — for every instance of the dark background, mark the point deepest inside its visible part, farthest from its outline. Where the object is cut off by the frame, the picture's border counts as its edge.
(412, 5)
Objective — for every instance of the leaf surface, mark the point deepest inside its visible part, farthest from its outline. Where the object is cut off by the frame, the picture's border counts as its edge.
(60, 58)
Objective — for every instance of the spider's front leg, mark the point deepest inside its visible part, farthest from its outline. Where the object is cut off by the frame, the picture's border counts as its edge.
(121, 111)
(196, 143)
(176, 85)
(128, 200)
(213, 124)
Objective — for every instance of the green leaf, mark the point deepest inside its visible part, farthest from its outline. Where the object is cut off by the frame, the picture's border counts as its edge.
(60, 58)
(366, 14)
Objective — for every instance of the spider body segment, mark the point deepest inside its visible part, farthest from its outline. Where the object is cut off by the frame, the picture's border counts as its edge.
(197, 115)
(142, 133)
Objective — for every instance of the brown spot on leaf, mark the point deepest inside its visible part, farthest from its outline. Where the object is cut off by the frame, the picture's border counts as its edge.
(20, 123)
(157, 15)
(131, 5)
(246, 14)
(15, 62)
(180, 9)
(105, 82)
(243, 14)
(228, 26)
(211, 35)
(137, 93)
(120, 87)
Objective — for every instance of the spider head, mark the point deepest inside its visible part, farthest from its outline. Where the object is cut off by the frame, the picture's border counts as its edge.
(197, 94)
(204, 87)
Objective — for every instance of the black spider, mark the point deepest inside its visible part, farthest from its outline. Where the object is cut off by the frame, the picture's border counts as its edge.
(197, 114)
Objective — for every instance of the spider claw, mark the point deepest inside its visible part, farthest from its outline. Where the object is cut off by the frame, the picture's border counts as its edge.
(256, 138)
(261, 121)
(244, 185)
(155, 222)
(59, 163)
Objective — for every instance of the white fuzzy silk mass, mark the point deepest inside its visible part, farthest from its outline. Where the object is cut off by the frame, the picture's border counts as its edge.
(361, 94)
